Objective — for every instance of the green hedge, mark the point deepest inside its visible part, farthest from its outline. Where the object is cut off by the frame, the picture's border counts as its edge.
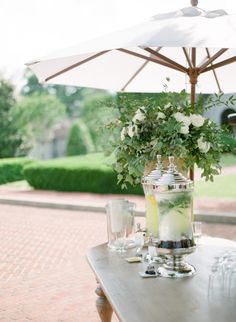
(88, 173)
(79, 140)
(11, 169)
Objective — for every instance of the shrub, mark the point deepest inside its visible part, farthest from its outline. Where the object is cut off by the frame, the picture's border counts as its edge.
(12, 169)
(89, 173)
(79, 140)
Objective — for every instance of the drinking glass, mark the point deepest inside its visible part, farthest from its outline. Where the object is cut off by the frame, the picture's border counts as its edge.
(197, 231)
(120, 224)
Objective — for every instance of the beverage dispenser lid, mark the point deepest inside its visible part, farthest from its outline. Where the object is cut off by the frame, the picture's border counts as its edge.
(155, 174)
(172, 180)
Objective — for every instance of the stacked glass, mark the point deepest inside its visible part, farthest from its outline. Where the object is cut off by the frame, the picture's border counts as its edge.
(222, 280)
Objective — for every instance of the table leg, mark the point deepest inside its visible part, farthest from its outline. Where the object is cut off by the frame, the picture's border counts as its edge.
(103, 306)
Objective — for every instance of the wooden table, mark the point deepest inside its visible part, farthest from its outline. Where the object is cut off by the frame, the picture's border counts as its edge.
(135, 299)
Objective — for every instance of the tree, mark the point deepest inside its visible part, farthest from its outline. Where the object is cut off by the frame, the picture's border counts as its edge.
(79, 139)
(96, 112)
(9, 139)
(35, 116)
(71, 96)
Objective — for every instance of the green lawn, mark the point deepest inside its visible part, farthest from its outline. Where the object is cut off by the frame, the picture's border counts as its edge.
(228, 160)
(222, 187)
(22, 184)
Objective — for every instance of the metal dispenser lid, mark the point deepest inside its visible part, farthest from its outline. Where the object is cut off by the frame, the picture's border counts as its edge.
(155, 174)
(172, 180)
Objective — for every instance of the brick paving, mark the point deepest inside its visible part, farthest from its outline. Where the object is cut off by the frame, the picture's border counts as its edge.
(44, 276)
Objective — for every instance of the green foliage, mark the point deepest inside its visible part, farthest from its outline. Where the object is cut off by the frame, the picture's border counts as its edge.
(71, 96)
(11, 169)
(79, 140)
(96, 112)
(229, 142)
(89, 173)
(35, 116)
(9, 139)
(165, 124)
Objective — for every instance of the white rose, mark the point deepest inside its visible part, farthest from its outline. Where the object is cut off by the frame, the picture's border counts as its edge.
(123, 133)
(184, 129)
(204, 147)
(160, 115)
(139, 116)
(132, 130)
(186, 120)
(179, 116)
(197, 120)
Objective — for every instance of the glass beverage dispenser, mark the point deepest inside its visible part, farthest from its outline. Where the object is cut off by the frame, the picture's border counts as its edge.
(151, 204)
(173, 193)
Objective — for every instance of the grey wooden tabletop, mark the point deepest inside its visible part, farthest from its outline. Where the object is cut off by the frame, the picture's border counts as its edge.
(135, 299)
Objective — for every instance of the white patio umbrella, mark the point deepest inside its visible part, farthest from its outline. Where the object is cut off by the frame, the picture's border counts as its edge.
(189, 46)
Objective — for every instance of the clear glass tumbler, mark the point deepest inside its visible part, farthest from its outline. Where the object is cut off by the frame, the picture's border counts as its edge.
(120, 224)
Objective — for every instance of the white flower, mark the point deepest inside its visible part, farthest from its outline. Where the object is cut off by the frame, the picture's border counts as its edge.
(132, 130)
(184, 129)
(180, 117)
(123, 133)
(168, 105)
(160, 115)
(186, 120)
(197, 120)
(139, 115)
(204, 147)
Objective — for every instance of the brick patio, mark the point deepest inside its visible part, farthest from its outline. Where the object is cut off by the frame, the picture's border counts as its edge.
(44, 276)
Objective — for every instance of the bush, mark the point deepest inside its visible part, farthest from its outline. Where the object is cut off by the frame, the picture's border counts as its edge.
(79, 140)
(12, 169)
(89, 173)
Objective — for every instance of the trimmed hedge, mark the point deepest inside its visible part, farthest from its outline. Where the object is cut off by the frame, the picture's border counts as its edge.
(11, 169)
(79, 139)
(88, 173)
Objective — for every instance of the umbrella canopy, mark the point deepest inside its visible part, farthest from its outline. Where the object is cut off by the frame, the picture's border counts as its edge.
(186, 45)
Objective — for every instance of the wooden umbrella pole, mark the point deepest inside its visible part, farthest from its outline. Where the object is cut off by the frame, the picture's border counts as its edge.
(193, 76)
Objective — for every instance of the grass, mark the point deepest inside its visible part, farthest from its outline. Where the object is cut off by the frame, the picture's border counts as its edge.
(228, 160)
(222, 187)
(21, 185)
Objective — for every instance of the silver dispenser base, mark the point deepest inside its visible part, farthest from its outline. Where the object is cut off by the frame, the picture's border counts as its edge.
(175, 265)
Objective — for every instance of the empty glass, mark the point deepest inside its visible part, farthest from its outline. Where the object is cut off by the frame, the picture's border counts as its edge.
(222, 280)
(197, 231)
(120, 224)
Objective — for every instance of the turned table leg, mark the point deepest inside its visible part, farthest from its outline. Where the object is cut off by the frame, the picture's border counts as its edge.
(103, 306)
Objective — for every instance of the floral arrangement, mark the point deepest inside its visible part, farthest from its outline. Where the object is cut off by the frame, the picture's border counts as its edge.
(173, 128)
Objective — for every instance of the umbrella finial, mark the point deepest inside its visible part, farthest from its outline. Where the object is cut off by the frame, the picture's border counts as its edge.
(194, 3)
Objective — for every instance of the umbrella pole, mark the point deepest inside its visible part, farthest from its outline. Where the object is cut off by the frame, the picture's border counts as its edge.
(193, 100)
(193, 75)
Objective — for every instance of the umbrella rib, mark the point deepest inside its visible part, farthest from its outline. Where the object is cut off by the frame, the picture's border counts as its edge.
(134, 75)
(220, 64)
(154, 60)
(212, 58)
(187, 57)
(214, 72)
(76, 65)
(137, 72)
(166, 59)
